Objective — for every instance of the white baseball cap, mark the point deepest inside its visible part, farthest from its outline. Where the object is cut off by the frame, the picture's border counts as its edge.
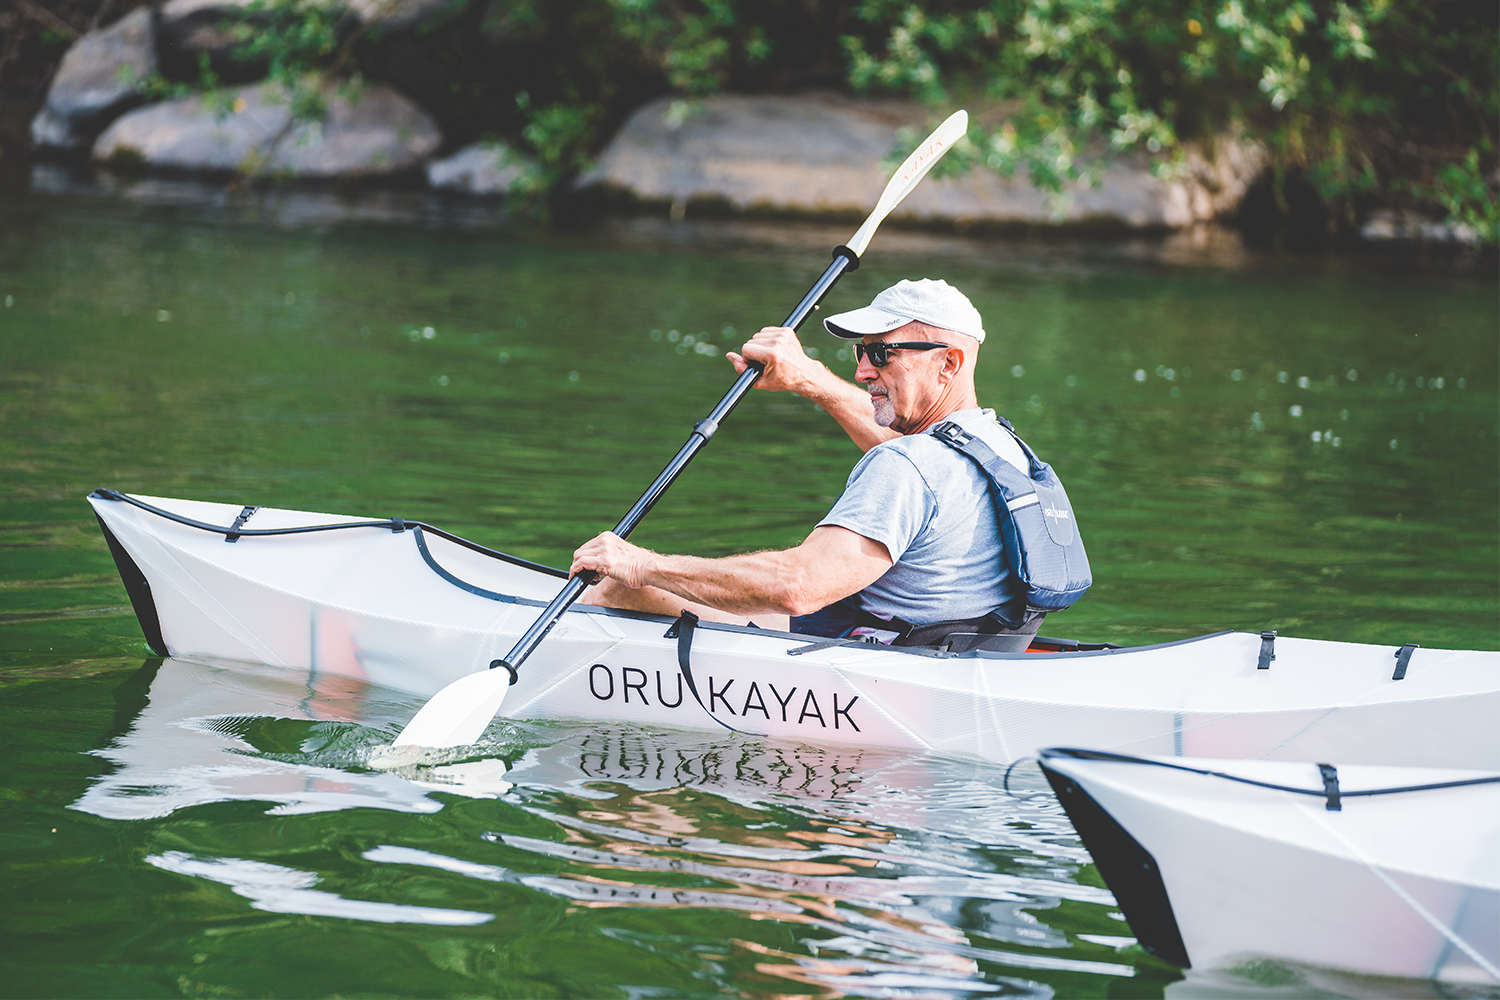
(935, 303)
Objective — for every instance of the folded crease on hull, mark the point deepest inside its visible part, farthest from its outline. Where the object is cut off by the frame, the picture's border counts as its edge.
(410, 607)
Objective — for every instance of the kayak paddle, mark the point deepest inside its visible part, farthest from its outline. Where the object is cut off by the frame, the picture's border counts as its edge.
(459, 714)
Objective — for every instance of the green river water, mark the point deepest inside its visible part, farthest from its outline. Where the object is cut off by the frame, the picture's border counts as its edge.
(1251, 441)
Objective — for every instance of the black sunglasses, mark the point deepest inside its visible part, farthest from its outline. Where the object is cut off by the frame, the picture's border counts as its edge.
(880, 354)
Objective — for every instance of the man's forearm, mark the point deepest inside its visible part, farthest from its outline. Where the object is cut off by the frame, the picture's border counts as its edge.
(749, 584)
(833, 562)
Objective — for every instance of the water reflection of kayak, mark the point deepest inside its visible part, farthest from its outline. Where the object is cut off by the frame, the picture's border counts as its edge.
(200, 737)
(1385, 870)
(872, 854)
(413, 608)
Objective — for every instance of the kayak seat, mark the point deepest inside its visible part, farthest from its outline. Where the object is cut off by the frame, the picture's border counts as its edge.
(987, 633)
(963, 642)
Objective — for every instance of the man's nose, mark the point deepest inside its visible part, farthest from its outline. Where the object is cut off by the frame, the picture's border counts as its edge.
(865, 371)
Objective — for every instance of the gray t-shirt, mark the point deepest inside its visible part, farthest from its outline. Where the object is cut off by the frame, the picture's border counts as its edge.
(931, 508)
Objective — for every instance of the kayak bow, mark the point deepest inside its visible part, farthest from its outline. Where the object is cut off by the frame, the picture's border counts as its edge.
(1383, 870)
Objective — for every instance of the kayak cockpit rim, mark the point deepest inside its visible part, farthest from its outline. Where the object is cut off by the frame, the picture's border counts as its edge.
(420, 528)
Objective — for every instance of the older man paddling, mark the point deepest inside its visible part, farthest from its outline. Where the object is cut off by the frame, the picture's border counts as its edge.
(912, 551)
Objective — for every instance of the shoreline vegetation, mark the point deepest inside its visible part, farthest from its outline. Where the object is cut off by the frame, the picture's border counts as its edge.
(1367, 118)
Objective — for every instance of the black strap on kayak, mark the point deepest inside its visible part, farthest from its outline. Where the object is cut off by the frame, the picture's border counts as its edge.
(239, 522)
(1333, 795)
(394, 524)
(1267, 650)
(1403, 657)
(1331, 786)
(682, 630)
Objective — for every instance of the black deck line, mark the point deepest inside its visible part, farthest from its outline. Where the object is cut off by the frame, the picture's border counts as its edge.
(391, 524)
(1121, 758)
(492, 553)
(493, 595)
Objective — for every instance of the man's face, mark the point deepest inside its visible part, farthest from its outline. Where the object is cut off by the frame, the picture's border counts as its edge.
(905, 389)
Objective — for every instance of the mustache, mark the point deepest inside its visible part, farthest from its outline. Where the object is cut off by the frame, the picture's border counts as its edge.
(878, 390)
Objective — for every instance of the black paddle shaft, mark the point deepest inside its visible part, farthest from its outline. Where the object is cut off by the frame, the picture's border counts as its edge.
(844, 259)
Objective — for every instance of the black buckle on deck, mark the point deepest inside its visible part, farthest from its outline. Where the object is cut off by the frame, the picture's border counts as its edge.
(233, 534)
(1403, 657)
(1267, 649)
(1331, 786)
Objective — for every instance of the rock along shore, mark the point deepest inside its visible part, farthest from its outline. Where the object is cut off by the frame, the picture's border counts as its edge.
(376, 131)
(814, 154)
(829, 154)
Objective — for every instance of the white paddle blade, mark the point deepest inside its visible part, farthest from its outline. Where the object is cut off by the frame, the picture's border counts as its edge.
(458, 714)
(910, 173)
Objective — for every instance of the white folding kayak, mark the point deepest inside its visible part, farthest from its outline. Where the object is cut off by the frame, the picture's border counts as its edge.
(1393, 871)
(411, 607)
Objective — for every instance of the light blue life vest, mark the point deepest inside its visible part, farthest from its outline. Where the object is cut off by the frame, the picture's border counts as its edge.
(1037, 529)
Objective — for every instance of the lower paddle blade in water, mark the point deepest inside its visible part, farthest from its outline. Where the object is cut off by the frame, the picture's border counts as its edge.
(458, 714)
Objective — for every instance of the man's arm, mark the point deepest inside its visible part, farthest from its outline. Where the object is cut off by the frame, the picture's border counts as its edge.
(789, 369)
(831, 564)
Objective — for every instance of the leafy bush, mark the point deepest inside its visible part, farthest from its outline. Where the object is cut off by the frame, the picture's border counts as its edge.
(1372, 101)
(1365, 98)
(298, 41)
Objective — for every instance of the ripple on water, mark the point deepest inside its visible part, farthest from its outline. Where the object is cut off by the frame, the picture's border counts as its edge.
(765, 868)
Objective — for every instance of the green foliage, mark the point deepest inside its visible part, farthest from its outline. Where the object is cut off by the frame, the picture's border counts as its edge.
(297, 40)
(1369, 100)
(600, 46)
(560, 135)
(693, 45)
(1358, 96)
(158, 88)
(1063, 71)
(1468, 197)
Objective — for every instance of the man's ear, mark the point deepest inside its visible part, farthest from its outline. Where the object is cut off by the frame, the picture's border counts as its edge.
(953, 363)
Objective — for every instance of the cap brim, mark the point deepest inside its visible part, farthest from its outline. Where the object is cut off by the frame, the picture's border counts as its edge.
(866, 321)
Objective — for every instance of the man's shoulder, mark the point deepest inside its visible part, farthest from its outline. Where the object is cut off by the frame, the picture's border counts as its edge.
(918, 449)
(919, 455)
(914, 458)
(900, 456)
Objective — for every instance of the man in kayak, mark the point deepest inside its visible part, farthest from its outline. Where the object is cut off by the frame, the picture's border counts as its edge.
(911, 551)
